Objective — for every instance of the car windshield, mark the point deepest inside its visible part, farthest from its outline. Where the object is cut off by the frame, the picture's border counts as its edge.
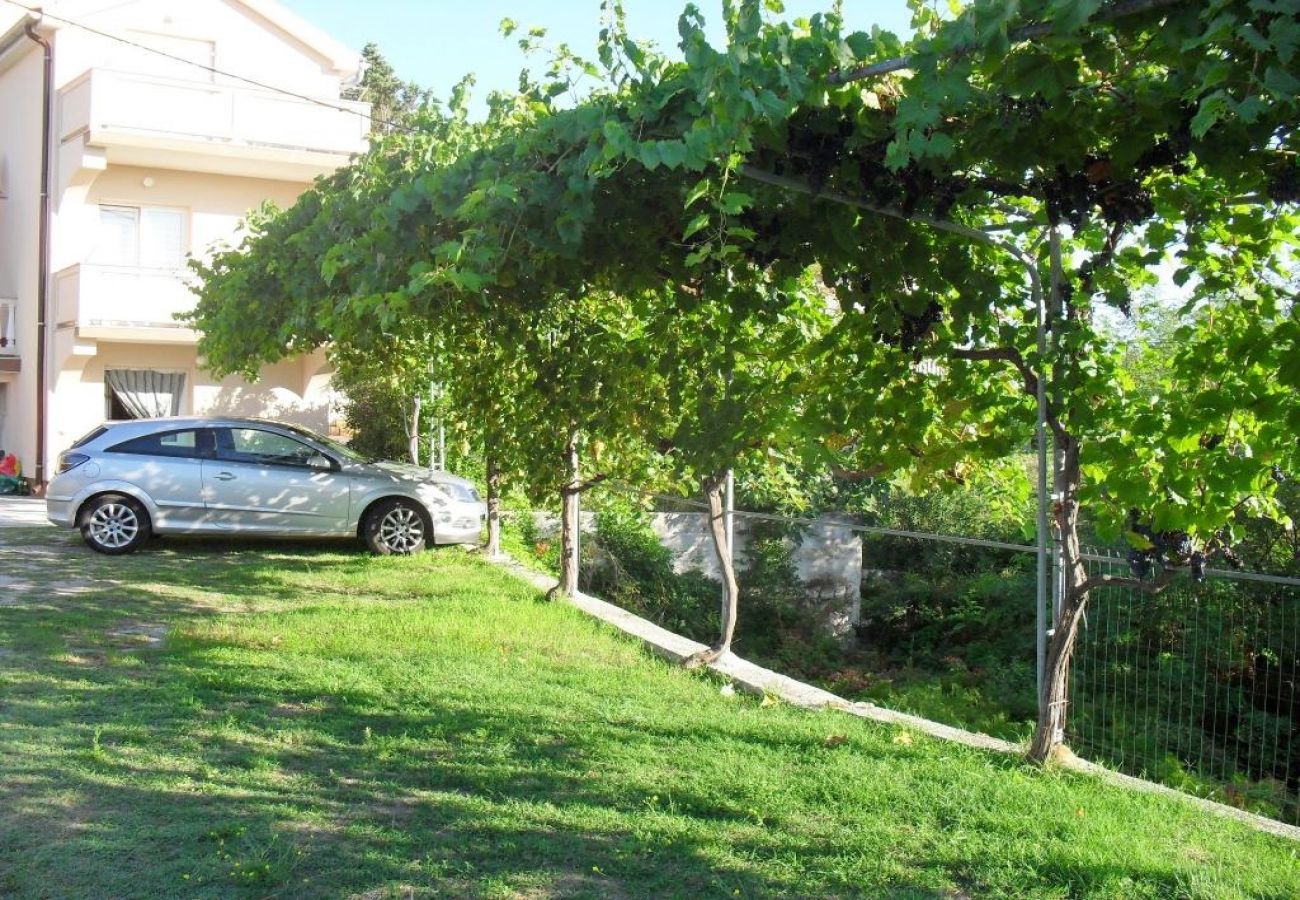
(338, 447)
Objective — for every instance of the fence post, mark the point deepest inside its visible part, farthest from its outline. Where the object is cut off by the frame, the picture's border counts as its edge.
(433, 405)
(1040, 594)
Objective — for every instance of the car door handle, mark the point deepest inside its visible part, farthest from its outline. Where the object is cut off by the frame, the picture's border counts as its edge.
(224, 476)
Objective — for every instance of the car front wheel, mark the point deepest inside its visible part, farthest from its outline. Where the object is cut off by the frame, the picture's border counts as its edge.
(396, 526)
(114, 523)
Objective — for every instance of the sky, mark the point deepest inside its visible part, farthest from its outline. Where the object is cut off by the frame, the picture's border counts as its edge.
(436, 42)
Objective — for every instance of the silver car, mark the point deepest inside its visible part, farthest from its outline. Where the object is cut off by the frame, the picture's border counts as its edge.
(127, 480)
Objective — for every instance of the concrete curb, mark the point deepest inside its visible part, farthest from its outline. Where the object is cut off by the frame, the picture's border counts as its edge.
(755, 679)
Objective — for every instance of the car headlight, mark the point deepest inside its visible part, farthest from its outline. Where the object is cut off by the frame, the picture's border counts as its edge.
(461, 493)
(436, 502)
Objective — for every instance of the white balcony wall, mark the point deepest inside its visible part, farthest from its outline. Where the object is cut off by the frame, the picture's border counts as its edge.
(128, 107)
(118, 302)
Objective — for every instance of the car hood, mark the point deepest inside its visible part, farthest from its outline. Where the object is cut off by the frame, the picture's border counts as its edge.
(401, 472)
(417, 474)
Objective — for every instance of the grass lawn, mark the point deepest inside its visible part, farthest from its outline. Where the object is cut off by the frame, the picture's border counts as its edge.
(317, 722)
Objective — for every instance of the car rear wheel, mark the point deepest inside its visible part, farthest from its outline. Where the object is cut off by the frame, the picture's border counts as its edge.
(396, 526)
(114, 523)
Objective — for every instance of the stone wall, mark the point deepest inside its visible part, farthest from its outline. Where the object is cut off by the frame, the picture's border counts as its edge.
(827, 558)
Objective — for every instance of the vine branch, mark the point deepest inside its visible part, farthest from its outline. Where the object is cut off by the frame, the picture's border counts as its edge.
(794, 184)
(1006, 354)
(1146, 586)
(587, 485)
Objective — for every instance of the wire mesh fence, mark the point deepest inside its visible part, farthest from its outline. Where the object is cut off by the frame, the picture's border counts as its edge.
(1194, 687)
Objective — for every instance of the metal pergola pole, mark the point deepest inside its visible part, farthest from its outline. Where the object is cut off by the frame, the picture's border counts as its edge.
(433, 405)
(1040, 612)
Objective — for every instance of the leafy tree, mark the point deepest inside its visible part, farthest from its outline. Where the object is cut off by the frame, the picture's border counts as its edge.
(385, 391)
(1038, 161)
(394, 103)
(738, 361)
(1086, 154)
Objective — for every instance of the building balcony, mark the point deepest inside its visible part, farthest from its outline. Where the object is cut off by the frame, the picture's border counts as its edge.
(135, 119)
(124, 303)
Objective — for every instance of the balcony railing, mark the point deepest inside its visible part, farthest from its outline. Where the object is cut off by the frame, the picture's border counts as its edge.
(106, 102)
(8, 328)
(117, 301)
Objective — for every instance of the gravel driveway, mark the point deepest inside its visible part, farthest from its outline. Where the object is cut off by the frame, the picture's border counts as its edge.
(22, 512)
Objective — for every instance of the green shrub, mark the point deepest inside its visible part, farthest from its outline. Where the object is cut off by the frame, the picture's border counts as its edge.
(632, 569)
(778, 623)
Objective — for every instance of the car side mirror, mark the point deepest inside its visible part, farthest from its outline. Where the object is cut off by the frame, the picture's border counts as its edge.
(322, 462)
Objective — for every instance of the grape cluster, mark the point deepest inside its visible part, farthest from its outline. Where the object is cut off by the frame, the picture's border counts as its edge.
(822, 144)
(853, 290)
(1284, 184)
(1174, 550)
(1071, 196)
(915, 328)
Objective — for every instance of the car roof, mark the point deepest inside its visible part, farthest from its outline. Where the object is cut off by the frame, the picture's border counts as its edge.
(114, 428)
(117, 429)
(196, 422)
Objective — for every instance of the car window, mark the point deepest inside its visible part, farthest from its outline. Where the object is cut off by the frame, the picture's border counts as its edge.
(87, 438)
(185, 443)
(340, 448)
(253, 445)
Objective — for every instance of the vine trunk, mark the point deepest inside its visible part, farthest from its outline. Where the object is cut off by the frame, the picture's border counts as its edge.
(569, 518)
(1049, 735)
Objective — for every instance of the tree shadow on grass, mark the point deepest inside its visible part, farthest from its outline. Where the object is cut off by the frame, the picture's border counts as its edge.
(58, 595)
(184, 769)
(233, 809)
(210, 768)
(192, 771)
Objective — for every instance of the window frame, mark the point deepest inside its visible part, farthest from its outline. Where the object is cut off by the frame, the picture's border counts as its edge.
(139, 210)
(187, 393)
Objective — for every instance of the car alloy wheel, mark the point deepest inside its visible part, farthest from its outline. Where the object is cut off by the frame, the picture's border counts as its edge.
(114, 525)
(401, 530)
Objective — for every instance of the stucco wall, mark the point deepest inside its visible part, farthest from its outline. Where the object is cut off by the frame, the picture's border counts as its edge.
(294, 391)
(213, 206)
(244, 44)
(20, 168)
(827, 558)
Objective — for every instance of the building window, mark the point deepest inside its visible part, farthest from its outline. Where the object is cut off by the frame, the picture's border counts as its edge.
(149, 237)
(142, 393)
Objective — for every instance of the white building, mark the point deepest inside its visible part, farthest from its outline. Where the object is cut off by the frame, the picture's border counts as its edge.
(127, 143)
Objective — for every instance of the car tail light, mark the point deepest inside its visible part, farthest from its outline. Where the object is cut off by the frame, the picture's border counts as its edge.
(69, 461)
